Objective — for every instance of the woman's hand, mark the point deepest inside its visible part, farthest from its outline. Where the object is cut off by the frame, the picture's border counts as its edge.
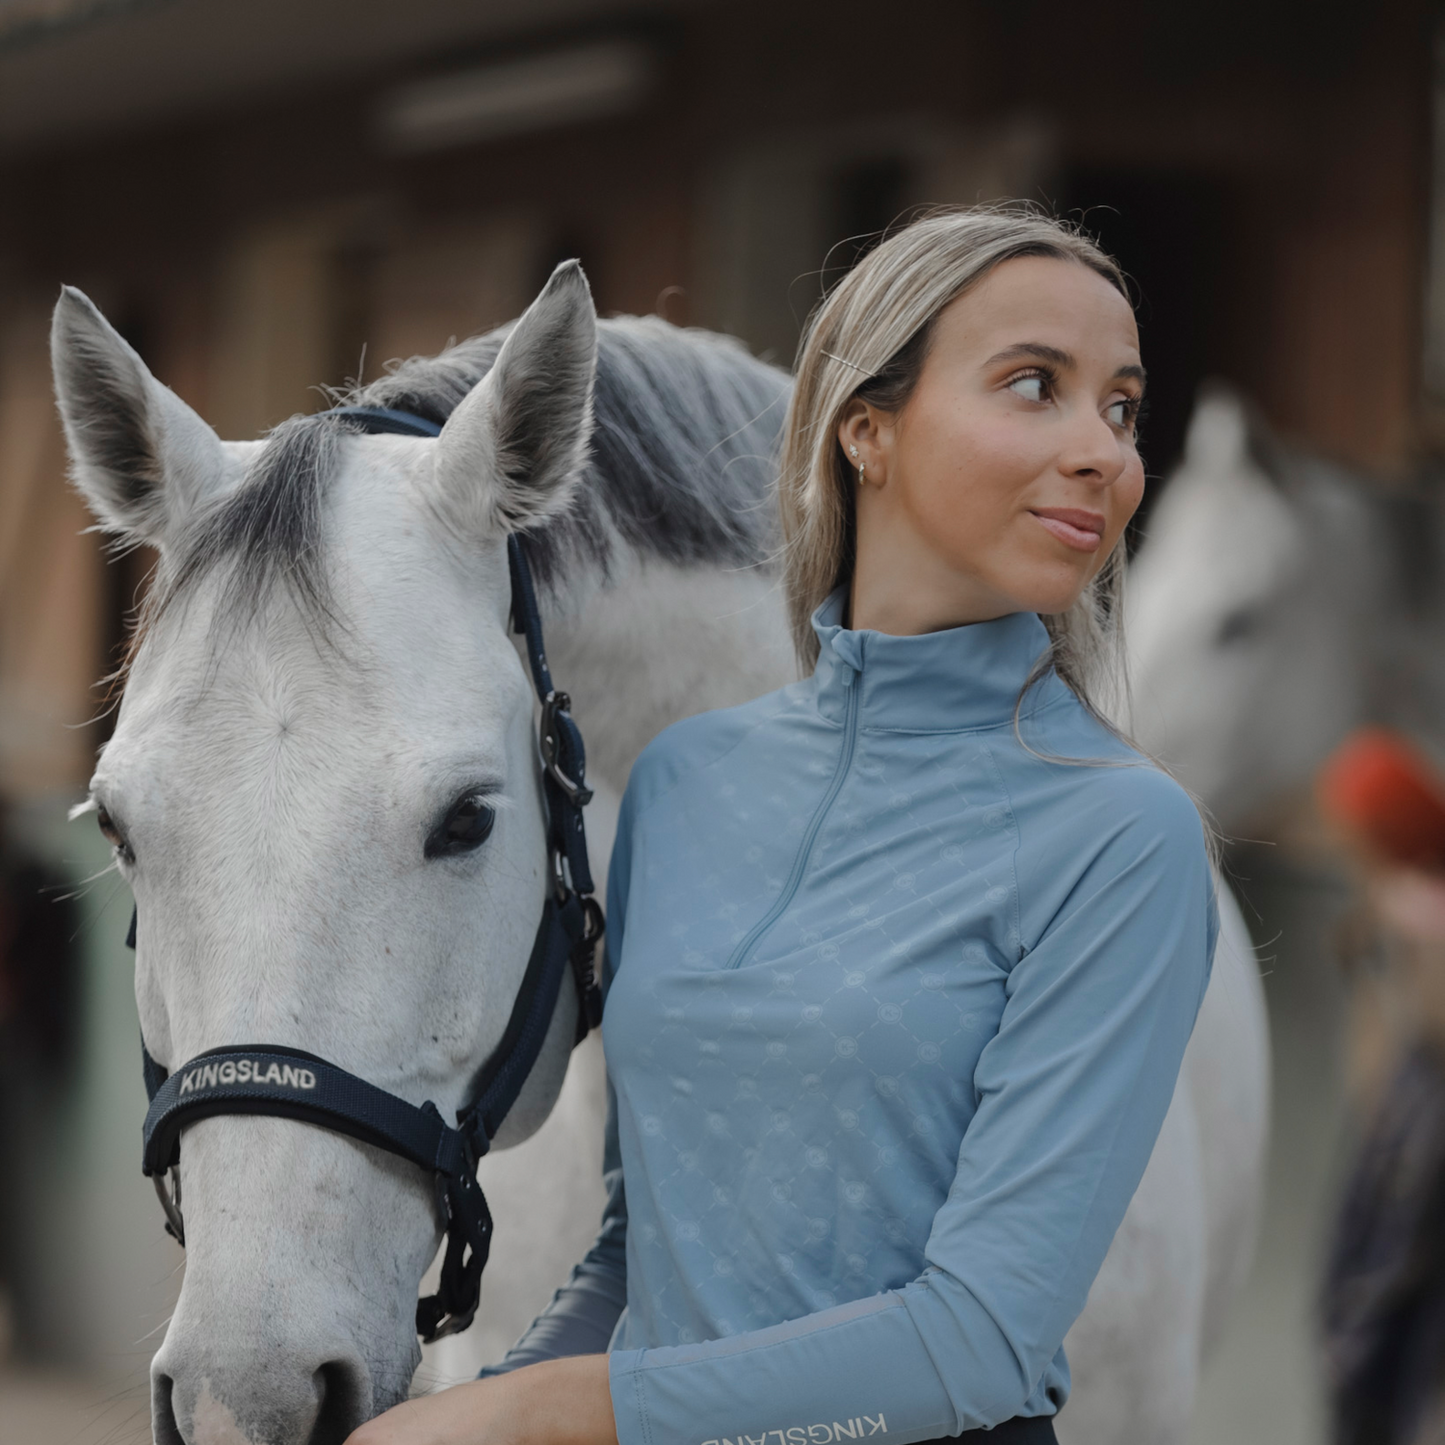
(559, 1402)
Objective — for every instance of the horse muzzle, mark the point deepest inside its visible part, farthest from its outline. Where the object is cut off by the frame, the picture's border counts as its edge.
(316, 1397)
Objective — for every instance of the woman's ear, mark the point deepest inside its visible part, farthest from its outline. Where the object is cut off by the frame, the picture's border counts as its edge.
(866, 436)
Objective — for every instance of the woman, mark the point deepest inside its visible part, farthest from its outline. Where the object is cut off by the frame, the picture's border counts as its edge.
(904, 958)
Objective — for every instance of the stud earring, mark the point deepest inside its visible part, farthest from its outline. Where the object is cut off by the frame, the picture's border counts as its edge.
(862, 466)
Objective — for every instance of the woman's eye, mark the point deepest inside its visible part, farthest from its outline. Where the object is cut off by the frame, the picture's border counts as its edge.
(1122, 413)
(1032, 387)
(466, 826)
(112, 835)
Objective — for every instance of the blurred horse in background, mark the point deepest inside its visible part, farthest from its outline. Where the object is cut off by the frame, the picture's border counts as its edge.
(1277, 602)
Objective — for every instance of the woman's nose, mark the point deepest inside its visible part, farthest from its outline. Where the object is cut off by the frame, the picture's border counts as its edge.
(1093, 451)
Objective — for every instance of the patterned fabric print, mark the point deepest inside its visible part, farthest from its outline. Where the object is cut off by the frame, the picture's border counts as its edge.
(842, 1045)
(896, 1009)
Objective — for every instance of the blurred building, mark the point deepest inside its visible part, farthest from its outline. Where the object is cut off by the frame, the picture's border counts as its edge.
(272, 196)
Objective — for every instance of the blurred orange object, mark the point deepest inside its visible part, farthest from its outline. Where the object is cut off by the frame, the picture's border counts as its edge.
(1384, 793)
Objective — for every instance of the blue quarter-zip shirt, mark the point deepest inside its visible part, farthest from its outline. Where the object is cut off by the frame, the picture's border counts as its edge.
(896, 1008)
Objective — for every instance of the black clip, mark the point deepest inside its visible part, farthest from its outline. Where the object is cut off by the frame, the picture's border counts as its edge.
(584, 972)
(555, 706)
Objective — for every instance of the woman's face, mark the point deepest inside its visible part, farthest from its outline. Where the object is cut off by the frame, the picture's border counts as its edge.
(1005, 481)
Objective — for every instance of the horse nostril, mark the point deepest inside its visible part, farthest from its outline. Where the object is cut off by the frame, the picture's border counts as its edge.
(338, 1401)
(163, 1417)
(341, 1398)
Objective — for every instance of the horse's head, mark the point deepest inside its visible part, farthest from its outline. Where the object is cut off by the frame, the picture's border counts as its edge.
(1248, 606)
(323, 789)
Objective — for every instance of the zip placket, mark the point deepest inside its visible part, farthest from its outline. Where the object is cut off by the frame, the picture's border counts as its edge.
(805, 848)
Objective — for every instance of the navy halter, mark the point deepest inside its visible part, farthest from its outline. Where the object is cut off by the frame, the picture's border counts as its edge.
(292, 1084)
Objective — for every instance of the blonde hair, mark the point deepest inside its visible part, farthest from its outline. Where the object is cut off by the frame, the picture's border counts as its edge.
(869, 338)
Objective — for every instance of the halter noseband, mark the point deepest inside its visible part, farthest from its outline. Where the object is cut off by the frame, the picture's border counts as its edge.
(291, 1084)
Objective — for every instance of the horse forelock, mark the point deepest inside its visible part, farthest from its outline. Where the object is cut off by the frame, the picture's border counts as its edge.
(680, 469)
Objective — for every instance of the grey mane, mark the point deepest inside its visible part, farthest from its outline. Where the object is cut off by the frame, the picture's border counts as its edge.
(681, 465)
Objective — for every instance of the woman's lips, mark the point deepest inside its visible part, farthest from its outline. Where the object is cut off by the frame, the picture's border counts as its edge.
(1074, 527)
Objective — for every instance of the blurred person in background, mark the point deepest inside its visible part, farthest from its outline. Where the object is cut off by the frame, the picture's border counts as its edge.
(1384, 1297)
(39, 979)
(39, 1003)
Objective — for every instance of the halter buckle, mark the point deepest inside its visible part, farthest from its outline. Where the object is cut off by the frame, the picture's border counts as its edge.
(554, 705)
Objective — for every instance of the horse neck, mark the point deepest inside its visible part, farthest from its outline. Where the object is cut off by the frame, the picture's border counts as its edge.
(662, 643)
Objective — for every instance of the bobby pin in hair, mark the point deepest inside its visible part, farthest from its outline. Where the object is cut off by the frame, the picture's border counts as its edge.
(844, 360)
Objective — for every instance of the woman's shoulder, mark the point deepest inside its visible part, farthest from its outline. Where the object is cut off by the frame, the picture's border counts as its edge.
(1103, 828)
(703, 742)
(1068, 761)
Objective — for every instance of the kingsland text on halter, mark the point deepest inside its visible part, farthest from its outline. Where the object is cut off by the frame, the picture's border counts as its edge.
(246, 1071)
(292, 1084)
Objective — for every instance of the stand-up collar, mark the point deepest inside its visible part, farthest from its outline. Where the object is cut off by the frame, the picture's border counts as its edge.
(964, 677)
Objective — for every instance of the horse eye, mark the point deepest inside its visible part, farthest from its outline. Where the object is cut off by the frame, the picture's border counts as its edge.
(112, 835)
(1239, 626)
(467, 825)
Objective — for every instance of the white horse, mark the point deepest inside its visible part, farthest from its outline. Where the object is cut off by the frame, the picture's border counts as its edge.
(325, 677)
(1278, 601)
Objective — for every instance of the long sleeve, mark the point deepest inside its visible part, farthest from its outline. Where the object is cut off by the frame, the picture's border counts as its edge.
(581, 1317)
(1071, 1092)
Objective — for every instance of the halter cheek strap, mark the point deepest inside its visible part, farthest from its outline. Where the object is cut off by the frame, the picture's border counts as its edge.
(292, 1084)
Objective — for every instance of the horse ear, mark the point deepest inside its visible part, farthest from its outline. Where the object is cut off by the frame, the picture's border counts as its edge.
(510, 454)
(140, 456)
(1227, 436)
(1218, 436)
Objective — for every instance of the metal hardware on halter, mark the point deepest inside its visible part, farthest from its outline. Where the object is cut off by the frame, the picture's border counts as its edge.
(555, 703)
(171, 1202)
(267, 1079)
